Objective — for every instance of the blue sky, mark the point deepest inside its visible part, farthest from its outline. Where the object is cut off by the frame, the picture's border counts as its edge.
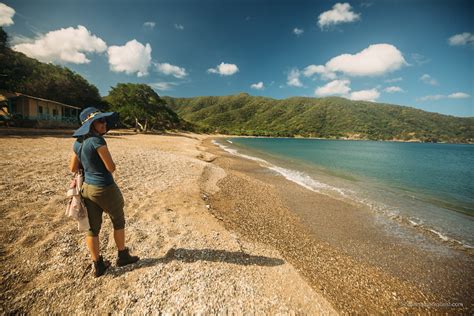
(415, 53)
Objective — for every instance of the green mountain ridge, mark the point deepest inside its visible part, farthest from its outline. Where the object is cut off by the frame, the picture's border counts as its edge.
(330, 117)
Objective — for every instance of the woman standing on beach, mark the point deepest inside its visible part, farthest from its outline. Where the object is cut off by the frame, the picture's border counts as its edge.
(99, 190)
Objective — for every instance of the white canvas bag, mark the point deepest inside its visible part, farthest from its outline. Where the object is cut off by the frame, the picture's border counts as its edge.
(76, 207)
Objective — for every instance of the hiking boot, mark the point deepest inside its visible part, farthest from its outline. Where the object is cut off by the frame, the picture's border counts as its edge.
(100, 266)
(125, 258)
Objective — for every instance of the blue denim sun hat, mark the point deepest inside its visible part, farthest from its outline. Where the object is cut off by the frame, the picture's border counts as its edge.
(89, 115)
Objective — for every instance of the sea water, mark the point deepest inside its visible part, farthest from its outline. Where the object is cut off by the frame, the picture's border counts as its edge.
(429, 186)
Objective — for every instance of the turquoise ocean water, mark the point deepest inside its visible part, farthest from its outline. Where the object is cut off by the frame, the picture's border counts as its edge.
(429, 186)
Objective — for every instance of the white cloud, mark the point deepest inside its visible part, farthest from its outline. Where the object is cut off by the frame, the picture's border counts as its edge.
(394, 80)
(224, 69)
(342, 88)
(163, 86)
(336, 87)
(150, 24)
(63, 45)
(133, 57)
(393, 89)
(340, 13)
(173, 70)
(293, 78)
(461, 39)
(365, 95)
(258, 86)
(179, 27)
(321, 70)
(6, 15)
(314, 69)
(456, 95)
(375, 60)
(459, 95)
(298, 31)
(429, 80)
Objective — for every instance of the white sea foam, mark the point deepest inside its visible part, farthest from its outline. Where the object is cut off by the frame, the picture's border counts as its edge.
(419, 224)
(305, 180)
(236, 153)
(414, 223)
(395, 214)
(449, 239)
(297, 177)
(441, 236)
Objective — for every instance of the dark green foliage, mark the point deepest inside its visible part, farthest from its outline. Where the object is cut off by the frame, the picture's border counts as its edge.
(331, 117)
(3, 38)
(141, 107)
(19, 73)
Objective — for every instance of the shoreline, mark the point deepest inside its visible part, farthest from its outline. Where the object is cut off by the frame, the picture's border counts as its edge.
(313, 183)
(25, 131)
(409, 279)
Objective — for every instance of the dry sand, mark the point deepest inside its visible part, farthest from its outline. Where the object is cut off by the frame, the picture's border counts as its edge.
(190, 262)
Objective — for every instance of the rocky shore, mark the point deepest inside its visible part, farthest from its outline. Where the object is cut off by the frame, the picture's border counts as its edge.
(191, 263)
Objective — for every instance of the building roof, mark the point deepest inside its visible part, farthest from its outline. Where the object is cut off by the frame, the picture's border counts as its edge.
(4, 95)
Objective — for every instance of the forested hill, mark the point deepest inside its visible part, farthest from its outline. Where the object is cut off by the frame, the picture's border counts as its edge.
(331, 117)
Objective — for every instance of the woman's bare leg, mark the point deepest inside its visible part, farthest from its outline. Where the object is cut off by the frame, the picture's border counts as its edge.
(119, 237)
(94, 247)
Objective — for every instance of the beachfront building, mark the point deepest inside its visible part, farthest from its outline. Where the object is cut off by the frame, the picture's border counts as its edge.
(31, 111)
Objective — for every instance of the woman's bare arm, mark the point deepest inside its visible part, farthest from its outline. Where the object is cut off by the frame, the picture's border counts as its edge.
(104, 154)
(74, 163)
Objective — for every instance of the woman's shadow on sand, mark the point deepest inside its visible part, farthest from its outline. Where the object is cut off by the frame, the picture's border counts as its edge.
(193, 255)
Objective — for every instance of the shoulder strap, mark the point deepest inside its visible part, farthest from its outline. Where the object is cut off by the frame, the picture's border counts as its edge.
(81, 167)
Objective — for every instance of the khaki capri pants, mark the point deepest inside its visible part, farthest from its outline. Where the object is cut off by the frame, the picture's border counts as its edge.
(106, 199)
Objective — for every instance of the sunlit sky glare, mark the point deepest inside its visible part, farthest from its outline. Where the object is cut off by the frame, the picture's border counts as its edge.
(417, 53)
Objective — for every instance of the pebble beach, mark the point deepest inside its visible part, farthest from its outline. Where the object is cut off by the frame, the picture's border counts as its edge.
(190, 263)
(214, 233)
